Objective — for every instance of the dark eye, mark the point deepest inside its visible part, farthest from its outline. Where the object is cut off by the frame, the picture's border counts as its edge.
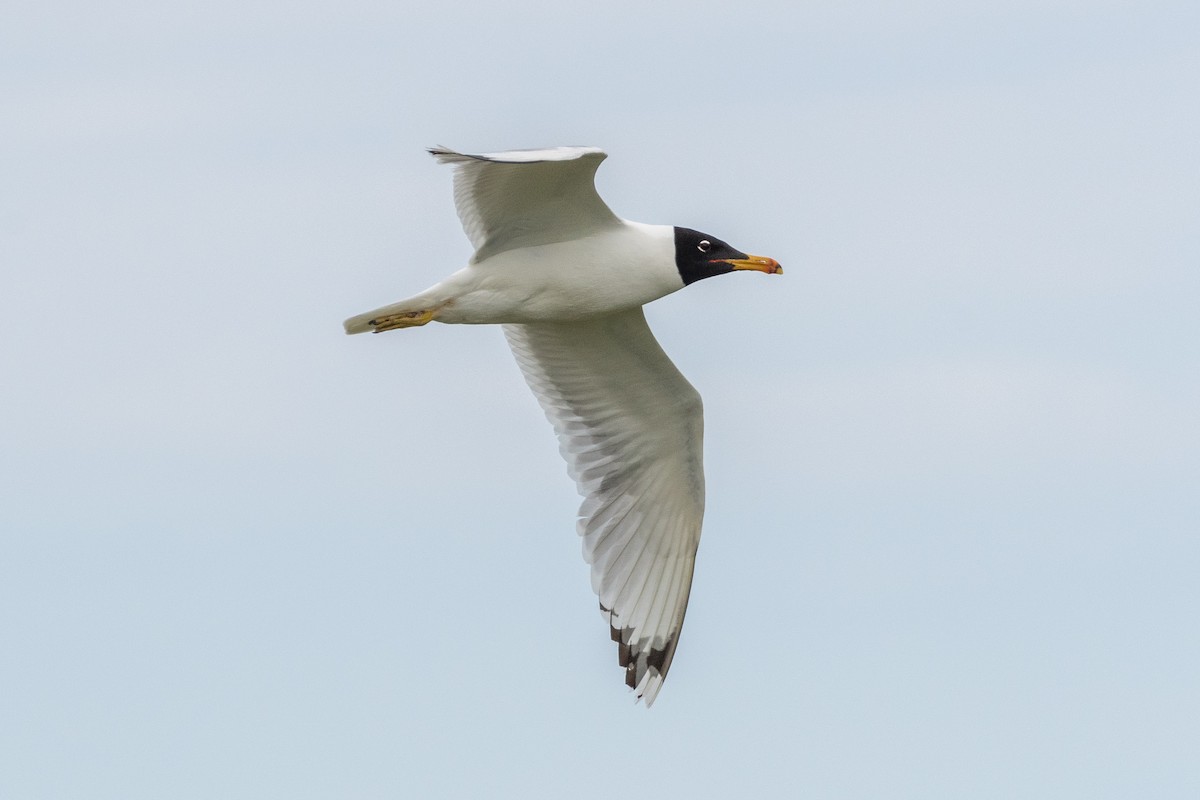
(704, 246)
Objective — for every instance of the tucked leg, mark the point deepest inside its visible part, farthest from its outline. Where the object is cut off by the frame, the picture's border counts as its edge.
(407, 319)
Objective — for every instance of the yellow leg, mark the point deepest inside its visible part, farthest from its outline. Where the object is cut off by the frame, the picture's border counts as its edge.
(409, 319)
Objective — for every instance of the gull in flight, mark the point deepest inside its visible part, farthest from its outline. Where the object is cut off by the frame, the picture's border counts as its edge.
(567, 280)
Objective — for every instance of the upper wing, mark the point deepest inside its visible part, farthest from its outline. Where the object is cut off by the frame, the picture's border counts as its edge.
(630, 427)
(522, 198)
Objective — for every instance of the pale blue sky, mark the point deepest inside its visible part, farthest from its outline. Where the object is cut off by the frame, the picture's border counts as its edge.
(953, 453)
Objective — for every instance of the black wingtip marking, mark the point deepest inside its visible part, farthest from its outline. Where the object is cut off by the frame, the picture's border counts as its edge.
(641, 656)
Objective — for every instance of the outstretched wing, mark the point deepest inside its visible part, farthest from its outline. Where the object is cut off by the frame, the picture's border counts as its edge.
(523, 198)
(630, 427)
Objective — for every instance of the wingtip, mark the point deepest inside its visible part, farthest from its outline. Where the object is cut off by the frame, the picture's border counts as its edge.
(647, 691)
(445, 155)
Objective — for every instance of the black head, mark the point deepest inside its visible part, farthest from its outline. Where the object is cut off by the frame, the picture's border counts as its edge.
(698, 256)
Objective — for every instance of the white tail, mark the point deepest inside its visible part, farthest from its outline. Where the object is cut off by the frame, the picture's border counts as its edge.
(359, 324)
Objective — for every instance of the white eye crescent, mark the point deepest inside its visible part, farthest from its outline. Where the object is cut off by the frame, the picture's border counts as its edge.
(704, 246)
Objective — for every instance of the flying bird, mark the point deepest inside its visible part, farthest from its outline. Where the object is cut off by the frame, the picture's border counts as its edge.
(567, 279)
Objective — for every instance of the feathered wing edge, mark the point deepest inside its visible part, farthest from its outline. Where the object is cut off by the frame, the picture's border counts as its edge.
(445, 155)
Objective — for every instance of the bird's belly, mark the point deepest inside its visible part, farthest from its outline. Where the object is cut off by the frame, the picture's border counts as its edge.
(547, 303)
(554, 283)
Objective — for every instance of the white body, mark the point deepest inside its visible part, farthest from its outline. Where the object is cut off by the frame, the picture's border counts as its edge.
(614, 269)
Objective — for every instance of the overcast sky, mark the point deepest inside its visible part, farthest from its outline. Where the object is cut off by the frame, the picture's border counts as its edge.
(953, 454)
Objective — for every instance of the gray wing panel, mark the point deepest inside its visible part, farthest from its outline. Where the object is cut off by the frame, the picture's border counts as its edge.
(524, 198)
